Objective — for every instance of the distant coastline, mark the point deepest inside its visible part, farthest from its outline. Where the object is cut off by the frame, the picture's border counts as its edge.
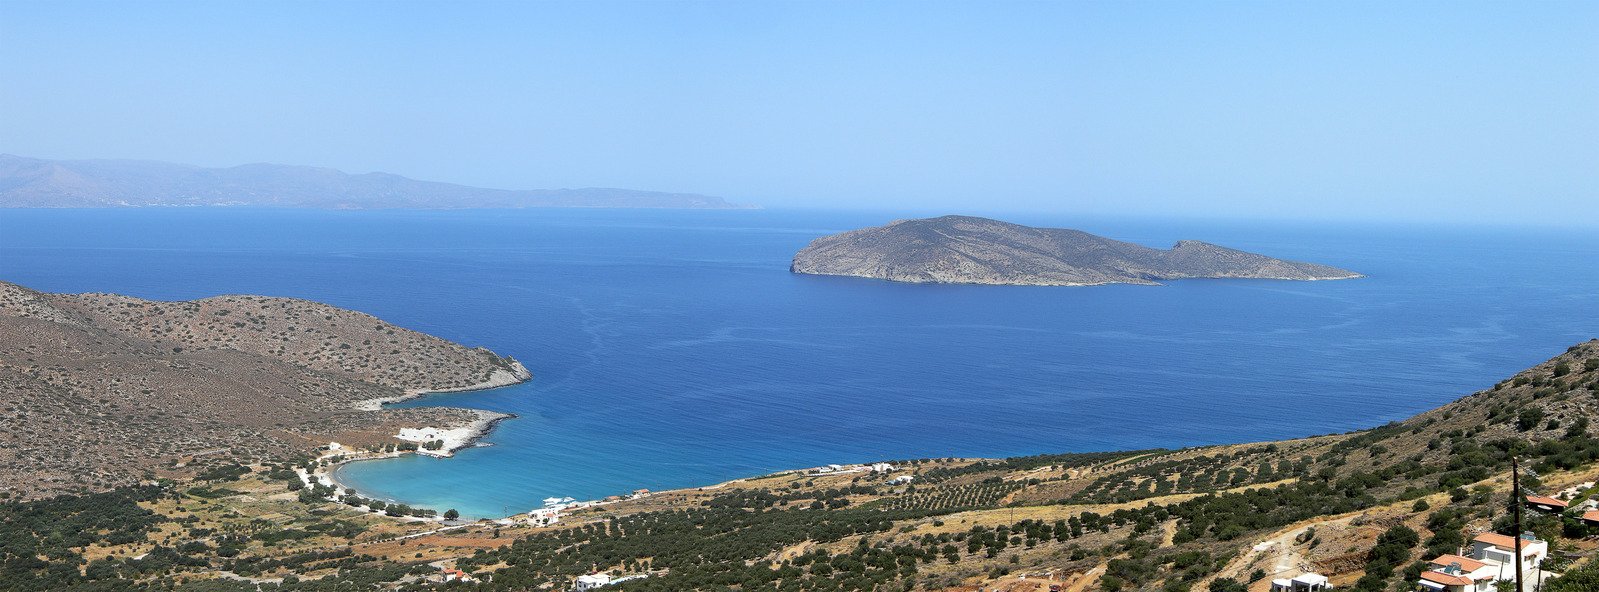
(40, 183)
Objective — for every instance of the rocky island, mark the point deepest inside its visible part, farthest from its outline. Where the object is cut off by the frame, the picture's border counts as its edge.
(971, 250)
(102, 391)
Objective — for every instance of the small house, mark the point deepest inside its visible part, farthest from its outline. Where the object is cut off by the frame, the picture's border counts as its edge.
(1306, 582)
(1546, 504)
(1453, 573)
(544, 516)
(1445, 581)
(1498, 548)
(591, 582)
(1591, 517)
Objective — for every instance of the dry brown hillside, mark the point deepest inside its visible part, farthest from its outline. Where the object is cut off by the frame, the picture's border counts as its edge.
(102, 390)
(1227, 518)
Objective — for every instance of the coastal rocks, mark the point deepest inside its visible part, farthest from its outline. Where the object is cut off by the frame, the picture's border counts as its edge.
(457, 436)
(452, 439)
(512, 372)
(970, 250)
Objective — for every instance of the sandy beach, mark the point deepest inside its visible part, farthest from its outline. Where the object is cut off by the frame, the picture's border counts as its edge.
(452, 438)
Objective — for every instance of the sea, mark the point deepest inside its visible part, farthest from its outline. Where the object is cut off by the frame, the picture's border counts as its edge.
(673, 348)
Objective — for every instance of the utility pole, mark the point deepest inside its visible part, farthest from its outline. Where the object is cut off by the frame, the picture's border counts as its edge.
(1515, 505)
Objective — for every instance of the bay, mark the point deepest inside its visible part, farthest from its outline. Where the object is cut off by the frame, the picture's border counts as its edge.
(674, 349)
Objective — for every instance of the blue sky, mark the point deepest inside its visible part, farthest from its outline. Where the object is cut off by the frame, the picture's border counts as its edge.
(1446, 111)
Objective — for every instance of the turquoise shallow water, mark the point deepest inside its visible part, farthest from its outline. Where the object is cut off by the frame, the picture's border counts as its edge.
(674, 349)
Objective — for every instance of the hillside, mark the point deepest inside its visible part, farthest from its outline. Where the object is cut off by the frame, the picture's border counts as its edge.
(1365, 508)
(38, 183)
(969, 250)
(103, 390)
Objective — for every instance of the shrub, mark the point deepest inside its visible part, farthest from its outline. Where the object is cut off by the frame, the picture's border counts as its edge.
(1528, 418)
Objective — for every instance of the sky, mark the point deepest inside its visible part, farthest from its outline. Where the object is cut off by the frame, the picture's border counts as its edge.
(1458, 112)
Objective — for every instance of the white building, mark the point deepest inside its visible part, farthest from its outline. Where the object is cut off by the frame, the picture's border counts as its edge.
(1500, 549)
(591, 582)
(1307, 582)
(1453, 573)
(901, 480)
(882, 467)
(544, 516)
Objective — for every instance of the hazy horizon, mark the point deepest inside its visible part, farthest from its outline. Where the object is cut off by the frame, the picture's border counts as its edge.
(1475, 113)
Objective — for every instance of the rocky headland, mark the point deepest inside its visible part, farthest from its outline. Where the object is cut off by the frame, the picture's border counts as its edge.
(102, 390)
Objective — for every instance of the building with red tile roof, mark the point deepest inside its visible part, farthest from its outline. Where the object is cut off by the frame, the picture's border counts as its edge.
(1453, 573)
(1547, 504)
(1444, 581)
(1498, 548)
(1591, 516)
(1464, 563)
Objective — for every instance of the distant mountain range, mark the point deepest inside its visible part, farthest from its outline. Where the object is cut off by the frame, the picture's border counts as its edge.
(969, 250)
(38, 183)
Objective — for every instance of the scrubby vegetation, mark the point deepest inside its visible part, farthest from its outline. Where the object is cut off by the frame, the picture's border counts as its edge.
(42, 542)
(1372, 505)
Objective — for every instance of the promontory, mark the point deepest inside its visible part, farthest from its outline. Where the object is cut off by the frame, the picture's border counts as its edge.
(102, 391)
(971, 250)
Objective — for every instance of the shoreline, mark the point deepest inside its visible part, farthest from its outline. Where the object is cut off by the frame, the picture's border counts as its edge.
(502, 377)
(461, 437)
(1050, 284)
(324, 475)
(480, 429)
(454, 438)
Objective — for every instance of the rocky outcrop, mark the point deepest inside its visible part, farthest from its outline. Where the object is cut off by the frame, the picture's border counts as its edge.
(969, 250)
(513, 373)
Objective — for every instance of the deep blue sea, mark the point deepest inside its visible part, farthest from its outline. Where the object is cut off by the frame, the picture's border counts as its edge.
(674, 348)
